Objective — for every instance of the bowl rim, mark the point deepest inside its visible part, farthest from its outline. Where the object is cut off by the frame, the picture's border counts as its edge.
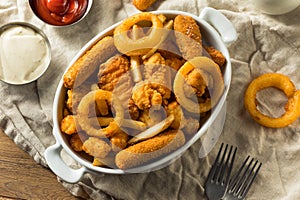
(173, 155)
(38, 31)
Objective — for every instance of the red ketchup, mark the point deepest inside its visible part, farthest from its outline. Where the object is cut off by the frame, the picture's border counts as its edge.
(60, 12)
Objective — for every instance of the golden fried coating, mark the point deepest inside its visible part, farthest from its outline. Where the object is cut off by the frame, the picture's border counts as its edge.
(133, 110)
(75, 96)
(175, 109)
(88, 63)
(76, 142)
(174, 63)
(96, 147)
(68, 125)
(111, 71)
(155, 70)
(196, 81)
(142, 4)
(150, 149)
(216, 55)
(147, 94)
(119, 141)
(188, 36)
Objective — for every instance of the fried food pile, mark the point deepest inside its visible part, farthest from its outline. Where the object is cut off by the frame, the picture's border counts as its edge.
(142, 92)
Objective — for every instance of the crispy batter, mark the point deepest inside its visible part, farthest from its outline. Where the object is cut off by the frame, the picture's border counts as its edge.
(155, 89)
(150, 149)
(76, 142)
(119, 141)
(87, 64)
(174, 62)
(188, 36)
(175, 109)
(216, 55)
(133, 110)
(196, 81)
(96, 147)
(68, 125)
(143, 4)
(74, 97)
(147, 94)
(111, 71)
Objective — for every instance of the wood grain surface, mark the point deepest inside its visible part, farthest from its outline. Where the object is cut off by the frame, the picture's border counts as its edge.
(22, 178)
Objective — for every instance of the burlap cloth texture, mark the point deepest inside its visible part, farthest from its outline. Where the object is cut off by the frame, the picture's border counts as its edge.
(265, 44)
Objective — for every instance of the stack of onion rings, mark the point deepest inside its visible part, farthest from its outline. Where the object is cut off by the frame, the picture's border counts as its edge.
(282, 83)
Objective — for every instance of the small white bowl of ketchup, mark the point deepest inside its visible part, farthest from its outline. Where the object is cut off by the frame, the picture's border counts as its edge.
(61, 12)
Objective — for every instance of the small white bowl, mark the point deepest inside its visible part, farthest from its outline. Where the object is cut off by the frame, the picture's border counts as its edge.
(33, 8)
(212, 22)
(17, 79)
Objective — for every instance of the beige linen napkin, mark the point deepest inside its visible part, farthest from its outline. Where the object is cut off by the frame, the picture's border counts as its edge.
(265, 44)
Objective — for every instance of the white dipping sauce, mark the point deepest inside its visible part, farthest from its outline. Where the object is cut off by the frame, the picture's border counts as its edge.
(24, 55)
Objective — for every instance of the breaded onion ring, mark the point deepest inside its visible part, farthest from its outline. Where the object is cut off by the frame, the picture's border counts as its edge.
(208, 68)
(141, 46)
(86, 123)
(282, 83)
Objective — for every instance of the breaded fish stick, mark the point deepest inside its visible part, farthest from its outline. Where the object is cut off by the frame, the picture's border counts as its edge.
(87, 64)
(188, 36)
(150, 149)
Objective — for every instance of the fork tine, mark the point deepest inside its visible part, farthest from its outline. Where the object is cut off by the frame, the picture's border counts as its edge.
(243, 178)
(212, 172)
(234, 181)
(221, 166)
(247, 186)
(240, 184)
(231, 164)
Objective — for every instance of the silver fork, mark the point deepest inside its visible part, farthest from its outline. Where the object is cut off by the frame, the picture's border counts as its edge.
(241, 182)
(219, 175)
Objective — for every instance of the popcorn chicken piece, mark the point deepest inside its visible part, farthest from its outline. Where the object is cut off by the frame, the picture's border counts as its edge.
(76, 142)
(96, 147)
(147, 94)
(68, 125)
(119, 141)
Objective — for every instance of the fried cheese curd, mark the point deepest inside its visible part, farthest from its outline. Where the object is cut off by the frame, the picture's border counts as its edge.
(125, 111)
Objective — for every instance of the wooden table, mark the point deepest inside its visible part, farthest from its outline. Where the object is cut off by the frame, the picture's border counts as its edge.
(22, 178)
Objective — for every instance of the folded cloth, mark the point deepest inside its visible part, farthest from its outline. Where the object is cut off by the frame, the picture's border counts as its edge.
(265, 44)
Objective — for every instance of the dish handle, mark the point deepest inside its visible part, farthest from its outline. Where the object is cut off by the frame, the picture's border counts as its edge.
(59, 167)
(221, 23)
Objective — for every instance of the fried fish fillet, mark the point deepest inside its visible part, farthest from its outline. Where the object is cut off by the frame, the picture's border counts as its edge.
(150, 149)
(188, 36)
(88, 63)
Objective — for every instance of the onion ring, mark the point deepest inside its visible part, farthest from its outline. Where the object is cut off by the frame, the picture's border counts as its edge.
(86, 123)
(281, 82)
(208, 68)
(140, 46)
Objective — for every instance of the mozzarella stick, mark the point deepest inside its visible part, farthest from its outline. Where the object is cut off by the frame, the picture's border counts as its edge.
(88, 63)
(150, 149)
